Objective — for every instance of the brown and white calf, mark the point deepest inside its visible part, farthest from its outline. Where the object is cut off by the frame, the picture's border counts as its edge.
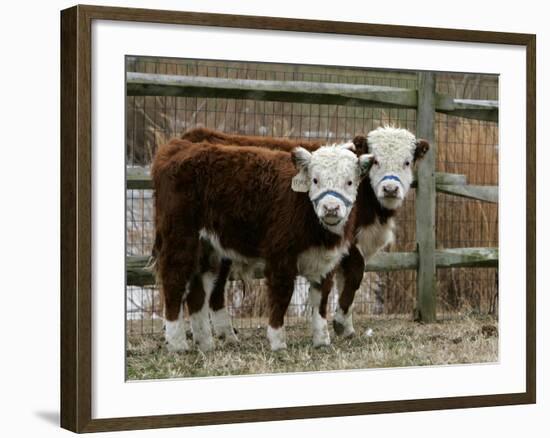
(380, 194)
(293, 214)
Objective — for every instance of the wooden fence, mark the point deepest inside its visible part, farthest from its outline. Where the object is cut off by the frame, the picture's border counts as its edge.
(426, 259)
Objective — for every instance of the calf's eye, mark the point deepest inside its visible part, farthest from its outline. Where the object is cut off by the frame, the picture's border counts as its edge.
(407, 163)
(315, 181)
(375, 162)
(349, 183)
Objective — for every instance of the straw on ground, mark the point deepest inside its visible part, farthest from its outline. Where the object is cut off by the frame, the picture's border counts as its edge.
(394, 342)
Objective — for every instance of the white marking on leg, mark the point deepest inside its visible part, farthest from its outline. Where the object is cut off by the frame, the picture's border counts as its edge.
(276, 338)
(318, 323)
(200, 322)
(175, 333)
(345, 320)
(221, 321)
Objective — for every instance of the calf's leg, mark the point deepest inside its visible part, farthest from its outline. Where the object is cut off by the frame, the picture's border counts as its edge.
(280, 287)
(221, 321)
(197, 304)
(349, 277)
(177, 264)
(318, 298)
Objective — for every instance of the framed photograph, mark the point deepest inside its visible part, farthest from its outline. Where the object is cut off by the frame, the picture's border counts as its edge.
(270, 218)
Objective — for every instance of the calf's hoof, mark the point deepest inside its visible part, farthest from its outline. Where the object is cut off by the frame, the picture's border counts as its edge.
(206, 345)
(276, 338)
(229, 337)
(342, 323)
(349, 334)
(175, 336)
(321, 343)
(279, 347)
(321, 337)
(338, 327)
(179, 346)
(231, 340)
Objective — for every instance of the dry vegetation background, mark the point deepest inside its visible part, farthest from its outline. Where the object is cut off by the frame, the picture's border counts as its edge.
(464, 146)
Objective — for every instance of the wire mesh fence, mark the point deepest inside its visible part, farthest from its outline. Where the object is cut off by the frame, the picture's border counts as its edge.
(465, 146)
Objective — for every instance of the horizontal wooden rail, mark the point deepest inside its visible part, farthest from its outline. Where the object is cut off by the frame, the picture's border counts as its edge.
(137, 178)
(138, 275)
(392, 261)
(486, 110)
(149, 84)
(480, 193)
(466, 258)
(451, 183)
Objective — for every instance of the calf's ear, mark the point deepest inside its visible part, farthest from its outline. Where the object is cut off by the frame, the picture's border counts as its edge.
(361, 144)
(365, 163)
(422, 146)
(301, 159)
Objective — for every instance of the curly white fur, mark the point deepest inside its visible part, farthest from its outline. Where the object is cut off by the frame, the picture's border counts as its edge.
(393, 150)
(330, 175)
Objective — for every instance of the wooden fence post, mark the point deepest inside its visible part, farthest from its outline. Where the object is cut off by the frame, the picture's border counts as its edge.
(425, 201)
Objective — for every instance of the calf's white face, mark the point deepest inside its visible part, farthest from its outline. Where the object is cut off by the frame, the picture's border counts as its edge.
(330, 175)
(395, 151)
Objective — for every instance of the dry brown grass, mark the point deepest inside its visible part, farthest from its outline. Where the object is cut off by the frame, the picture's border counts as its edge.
(396, 342)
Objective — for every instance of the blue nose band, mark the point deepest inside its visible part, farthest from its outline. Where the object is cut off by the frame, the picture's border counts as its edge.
(341, 197)
(392, 177)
